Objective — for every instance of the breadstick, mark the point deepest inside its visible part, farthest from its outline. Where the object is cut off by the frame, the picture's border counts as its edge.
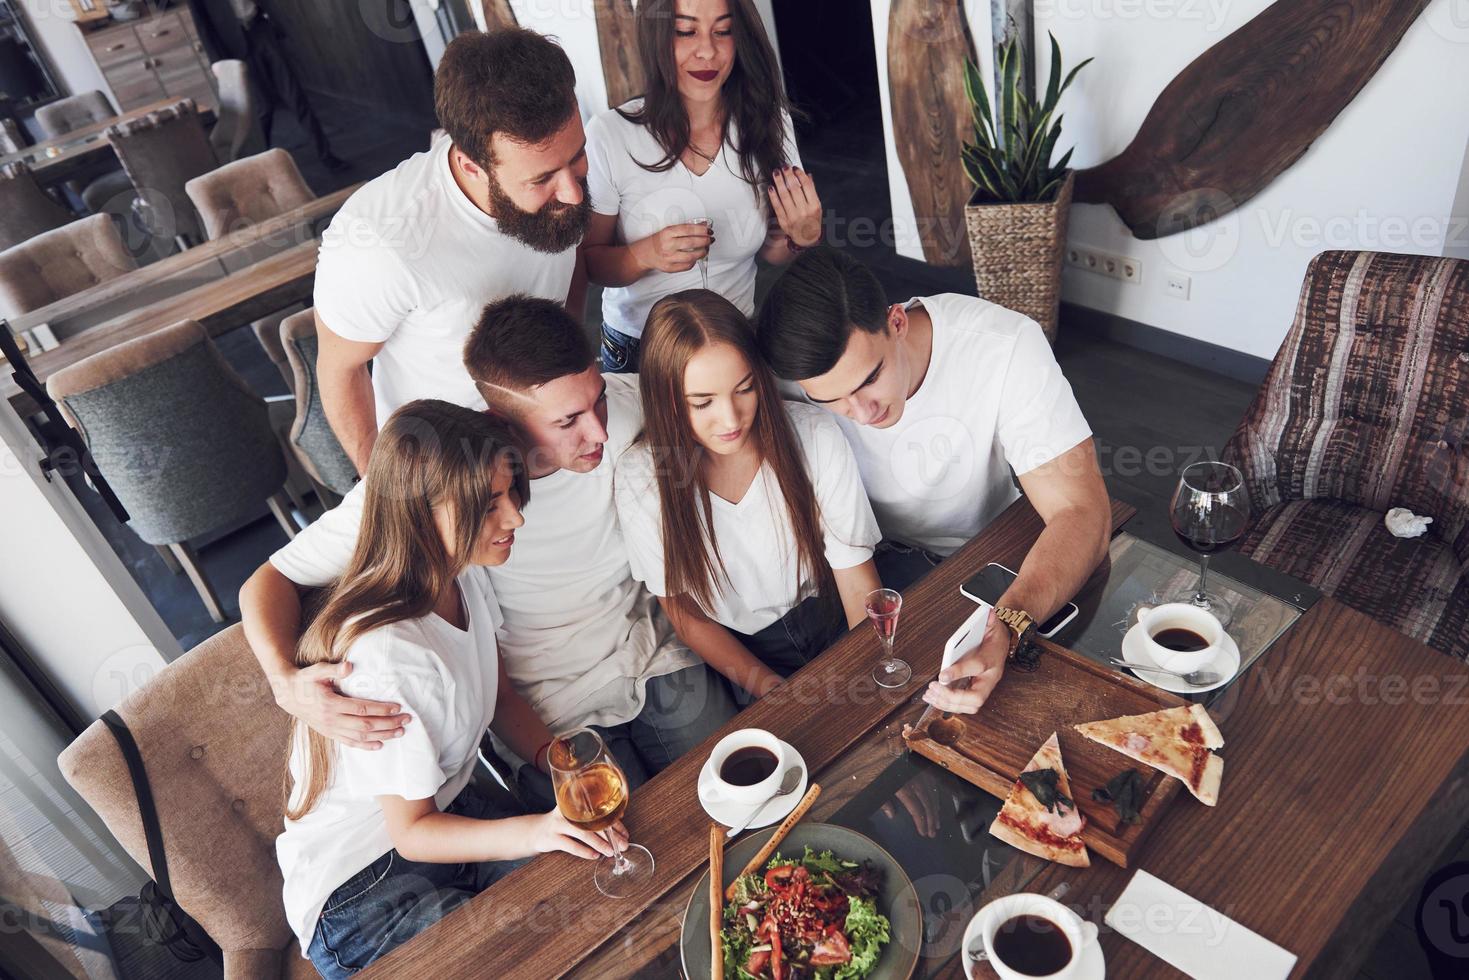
(775, 839)
(716, 901)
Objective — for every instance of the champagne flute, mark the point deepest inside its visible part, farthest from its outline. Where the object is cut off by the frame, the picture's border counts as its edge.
(592, 793)
(883, 606)
(704, 262)
(1210, 511)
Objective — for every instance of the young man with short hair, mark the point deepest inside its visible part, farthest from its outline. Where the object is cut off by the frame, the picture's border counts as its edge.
(583, 642)
(497, 205)
(942, 397)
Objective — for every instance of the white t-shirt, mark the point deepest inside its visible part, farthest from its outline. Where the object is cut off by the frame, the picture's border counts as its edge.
(410, 262)
(581, 638)
(993, 399)
(645, 202)
(448, 680)
(755, 537)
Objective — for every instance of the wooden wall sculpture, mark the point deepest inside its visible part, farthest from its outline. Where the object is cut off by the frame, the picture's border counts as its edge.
(1245, 110)
(617, 37)
(498, 14)
(928, 41)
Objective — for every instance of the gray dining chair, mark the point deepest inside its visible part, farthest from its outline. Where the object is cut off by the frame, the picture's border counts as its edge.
(54, 264)
(185, 443)
(11, 139)
(25, 209)
(161, 152)
(71, 113)
(311, 437)
(244, 193)
(236, 132)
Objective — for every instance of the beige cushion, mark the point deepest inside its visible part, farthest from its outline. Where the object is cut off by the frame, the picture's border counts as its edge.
(248, 192)
(214, 745)
(57, 263)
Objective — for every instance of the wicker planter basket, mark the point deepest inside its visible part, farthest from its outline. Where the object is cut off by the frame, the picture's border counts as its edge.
(1017, 251)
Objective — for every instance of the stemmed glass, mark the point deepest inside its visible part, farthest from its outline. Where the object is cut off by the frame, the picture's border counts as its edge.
(592, 793)
(704, 262)
(883, 606)
(1210, 511)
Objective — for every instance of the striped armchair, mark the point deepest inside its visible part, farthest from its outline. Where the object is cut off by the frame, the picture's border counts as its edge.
(1366, 408)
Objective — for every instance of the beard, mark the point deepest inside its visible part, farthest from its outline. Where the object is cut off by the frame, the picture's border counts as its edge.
(554, 228)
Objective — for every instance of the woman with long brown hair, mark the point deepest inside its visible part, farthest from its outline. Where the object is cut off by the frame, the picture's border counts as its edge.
(379, 845)
(706, 155)
(743, 513)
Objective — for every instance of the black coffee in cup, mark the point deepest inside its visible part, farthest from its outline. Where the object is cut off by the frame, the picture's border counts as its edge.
(1032, 945)
(1179, 639)
(748, 766)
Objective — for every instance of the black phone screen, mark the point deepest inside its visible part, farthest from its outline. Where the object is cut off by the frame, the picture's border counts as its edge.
(991, 581)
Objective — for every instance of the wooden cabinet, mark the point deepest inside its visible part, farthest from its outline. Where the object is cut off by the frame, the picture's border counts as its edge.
(158, 57)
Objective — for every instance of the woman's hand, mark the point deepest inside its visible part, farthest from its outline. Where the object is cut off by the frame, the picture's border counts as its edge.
(674, 249)
(797, 208)
(553, 832)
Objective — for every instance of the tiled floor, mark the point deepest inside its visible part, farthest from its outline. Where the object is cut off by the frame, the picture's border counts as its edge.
(1136, 402)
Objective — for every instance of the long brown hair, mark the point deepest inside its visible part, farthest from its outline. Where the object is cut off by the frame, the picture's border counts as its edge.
(753, 95)
(679, 326)
(429, 454)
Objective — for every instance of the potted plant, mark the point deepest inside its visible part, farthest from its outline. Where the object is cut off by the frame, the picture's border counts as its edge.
(1017, 217)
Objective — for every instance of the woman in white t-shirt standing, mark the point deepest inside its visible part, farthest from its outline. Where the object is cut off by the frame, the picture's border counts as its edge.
(379, 845)
(744, 514)
(684, 181)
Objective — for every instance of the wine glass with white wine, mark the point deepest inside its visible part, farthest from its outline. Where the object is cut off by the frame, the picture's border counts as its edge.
(592, 793)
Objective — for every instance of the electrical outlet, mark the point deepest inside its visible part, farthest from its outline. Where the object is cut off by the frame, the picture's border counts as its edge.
(1121, 267)
(1177, 285)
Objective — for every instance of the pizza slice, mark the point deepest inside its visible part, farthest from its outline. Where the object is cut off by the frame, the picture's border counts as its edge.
(1039, 816)
(1175, 741)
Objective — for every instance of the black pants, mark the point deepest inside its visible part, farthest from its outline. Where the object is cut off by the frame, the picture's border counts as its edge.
(278, 84)
(794, 640)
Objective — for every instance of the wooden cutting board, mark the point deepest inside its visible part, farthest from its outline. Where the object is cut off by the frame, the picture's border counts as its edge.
(1066, 689)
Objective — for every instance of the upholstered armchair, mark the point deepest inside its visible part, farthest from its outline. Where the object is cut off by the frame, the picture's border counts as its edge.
(1366, 408)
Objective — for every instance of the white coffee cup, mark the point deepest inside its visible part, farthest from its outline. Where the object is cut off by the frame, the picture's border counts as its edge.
(752, 793)
(1185, 616)
(988, 920)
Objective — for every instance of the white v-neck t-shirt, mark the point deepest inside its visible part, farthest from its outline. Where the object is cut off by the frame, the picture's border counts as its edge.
(448, 680)
(994, 399)
(755, 537)
(409, 262)
(581, 637)
(646, 202)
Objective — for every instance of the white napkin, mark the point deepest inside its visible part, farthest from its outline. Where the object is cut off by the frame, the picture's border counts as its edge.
(1191, 936)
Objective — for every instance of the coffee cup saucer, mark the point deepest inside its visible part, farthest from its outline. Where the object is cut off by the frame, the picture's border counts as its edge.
(730, 813)
(1225, 664)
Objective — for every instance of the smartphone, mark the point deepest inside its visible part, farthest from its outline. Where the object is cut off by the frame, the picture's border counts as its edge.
(991, 582)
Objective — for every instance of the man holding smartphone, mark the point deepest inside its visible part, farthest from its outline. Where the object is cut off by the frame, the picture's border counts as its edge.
(942, 398)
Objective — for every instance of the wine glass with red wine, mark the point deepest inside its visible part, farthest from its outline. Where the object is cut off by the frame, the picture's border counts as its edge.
(883, 606)
(1210, 512)
(592, 792)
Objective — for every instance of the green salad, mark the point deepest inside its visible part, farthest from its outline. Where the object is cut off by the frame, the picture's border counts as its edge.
(811, 917)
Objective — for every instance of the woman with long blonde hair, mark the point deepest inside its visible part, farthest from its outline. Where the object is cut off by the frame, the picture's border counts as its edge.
(743, 513)
(379, 845)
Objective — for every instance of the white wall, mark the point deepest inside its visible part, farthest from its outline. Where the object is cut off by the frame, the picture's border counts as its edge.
(62, 42)
(64, 593)
(1390, 173)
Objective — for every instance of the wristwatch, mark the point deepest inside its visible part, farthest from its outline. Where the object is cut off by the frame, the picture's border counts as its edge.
(1022, 625)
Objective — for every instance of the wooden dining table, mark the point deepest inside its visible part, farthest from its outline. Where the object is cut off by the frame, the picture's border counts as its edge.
(1346, 763)
(85, 150)
(223, 284)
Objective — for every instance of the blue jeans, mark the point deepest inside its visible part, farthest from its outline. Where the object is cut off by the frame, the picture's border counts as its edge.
(682, 709)
(393, 899)
(900, 565)
(619, 352)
